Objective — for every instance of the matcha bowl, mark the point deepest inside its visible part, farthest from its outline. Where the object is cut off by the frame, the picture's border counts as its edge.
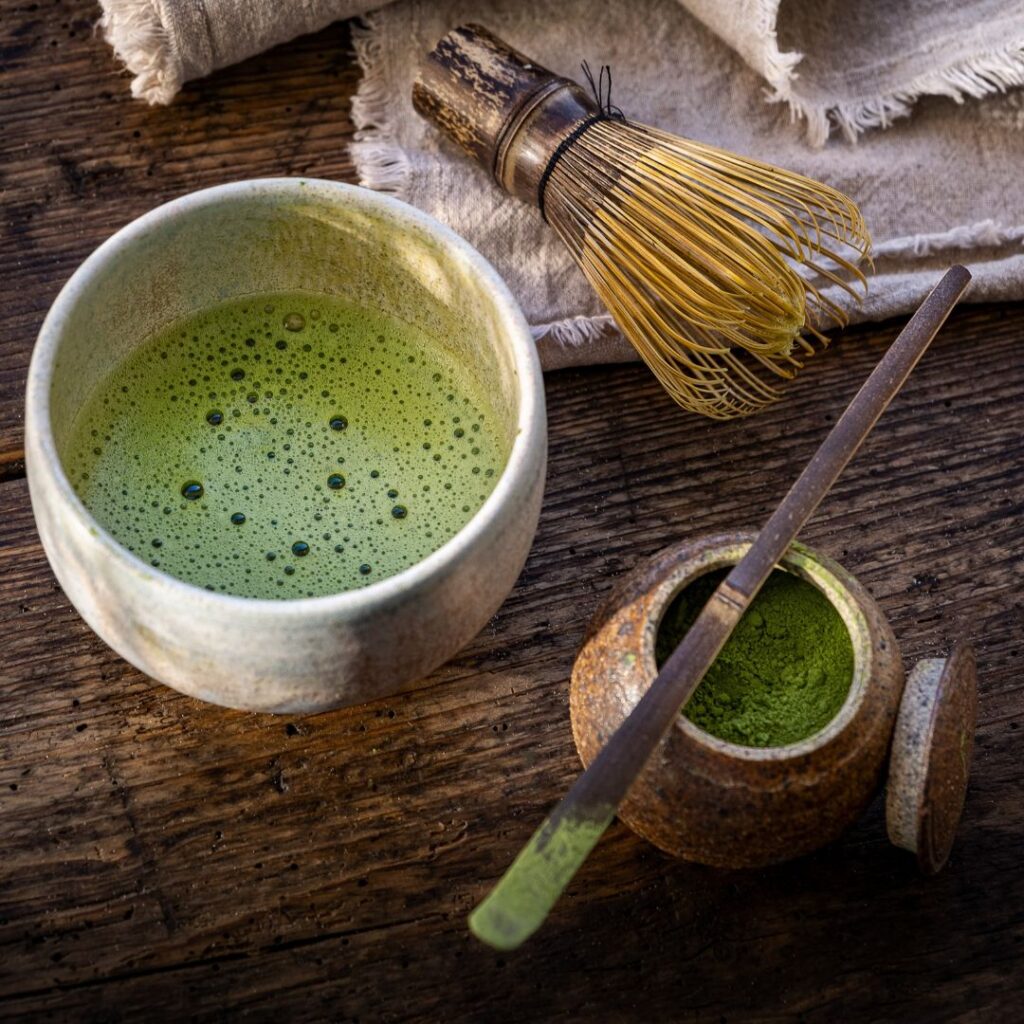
(297, 237)
(735, 805)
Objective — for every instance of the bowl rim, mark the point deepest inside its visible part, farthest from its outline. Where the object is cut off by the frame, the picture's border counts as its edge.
(724, 551)
(527, 452)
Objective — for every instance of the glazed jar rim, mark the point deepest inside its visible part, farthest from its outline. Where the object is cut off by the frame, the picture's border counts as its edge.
(816, 570)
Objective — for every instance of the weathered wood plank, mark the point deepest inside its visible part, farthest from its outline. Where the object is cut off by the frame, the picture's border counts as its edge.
(79, 158)
(168, 860)
(177, 856)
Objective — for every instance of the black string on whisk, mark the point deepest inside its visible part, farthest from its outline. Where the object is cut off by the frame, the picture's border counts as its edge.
(601, 90)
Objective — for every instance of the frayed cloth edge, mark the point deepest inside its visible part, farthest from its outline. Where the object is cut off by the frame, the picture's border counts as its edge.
(140, 41)
(380, 161)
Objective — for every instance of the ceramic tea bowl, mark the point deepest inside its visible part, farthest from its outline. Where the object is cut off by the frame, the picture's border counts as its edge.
(257, 237)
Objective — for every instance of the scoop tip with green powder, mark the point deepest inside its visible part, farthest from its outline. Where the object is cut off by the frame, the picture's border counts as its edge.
(520, 902)
(783, 674)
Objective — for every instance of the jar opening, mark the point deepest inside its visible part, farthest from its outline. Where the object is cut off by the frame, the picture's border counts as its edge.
(782, 676)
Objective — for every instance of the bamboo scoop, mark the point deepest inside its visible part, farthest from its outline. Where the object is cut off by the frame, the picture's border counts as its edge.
(517, 906)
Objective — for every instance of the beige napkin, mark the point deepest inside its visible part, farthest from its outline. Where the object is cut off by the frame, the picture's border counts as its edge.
(860, 64)
(943, 186)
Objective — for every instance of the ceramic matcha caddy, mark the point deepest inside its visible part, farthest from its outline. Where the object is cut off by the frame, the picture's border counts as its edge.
(285, 443)
(736, 805)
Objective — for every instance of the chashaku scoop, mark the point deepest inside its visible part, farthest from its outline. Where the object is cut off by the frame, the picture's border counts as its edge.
(624, 744)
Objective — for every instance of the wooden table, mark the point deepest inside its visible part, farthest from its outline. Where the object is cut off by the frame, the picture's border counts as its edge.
(162, 859)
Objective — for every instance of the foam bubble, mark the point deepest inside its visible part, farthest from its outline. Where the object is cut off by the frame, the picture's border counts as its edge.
(146, 462)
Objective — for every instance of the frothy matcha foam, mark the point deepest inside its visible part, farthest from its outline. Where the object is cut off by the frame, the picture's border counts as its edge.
(286, 446)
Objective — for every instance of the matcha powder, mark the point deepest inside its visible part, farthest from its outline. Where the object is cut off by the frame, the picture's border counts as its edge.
(783, 674)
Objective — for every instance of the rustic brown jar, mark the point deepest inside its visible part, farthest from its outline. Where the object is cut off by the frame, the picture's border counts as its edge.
(719, 803)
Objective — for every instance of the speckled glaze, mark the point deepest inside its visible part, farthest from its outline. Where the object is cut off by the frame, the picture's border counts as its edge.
(931, 756)
(718, 803)
(275, 235)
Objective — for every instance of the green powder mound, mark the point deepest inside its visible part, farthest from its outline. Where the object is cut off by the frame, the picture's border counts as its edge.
(783, 674)
(285, 446)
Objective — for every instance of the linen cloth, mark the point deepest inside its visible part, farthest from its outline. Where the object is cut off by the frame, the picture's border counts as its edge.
(766, 78)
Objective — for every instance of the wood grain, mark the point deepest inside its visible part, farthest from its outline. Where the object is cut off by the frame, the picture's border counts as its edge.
(164, 853)
(166, 860)
(79, 158)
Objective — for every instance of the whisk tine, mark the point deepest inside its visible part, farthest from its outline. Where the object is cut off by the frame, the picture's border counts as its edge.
(715, 266)
(716, 242)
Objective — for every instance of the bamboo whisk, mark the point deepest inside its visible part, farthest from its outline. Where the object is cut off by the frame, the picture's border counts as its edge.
(711, 264)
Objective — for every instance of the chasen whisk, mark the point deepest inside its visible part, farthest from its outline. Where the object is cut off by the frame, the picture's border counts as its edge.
(712, 264)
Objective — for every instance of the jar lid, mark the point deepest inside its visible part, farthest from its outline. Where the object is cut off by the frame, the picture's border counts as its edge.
(931, 756)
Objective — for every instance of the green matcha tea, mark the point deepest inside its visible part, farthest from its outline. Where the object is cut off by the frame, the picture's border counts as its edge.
(286, 446)
(783, 674)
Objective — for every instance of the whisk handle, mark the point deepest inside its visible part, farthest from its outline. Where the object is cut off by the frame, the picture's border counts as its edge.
(472, 84)
(507, 112)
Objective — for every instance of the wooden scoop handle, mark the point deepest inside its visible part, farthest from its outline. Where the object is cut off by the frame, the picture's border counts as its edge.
(517, 906)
